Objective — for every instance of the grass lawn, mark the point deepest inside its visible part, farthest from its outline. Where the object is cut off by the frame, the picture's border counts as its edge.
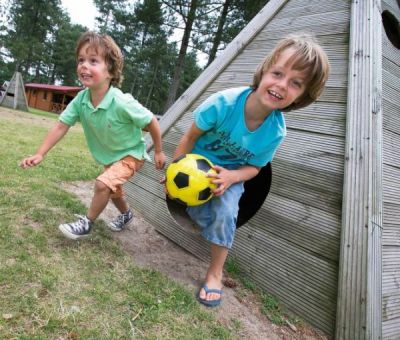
(55, 288)
(42, 113)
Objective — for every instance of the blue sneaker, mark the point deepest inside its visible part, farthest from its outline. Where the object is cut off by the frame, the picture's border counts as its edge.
(76, 230)
(121, 221)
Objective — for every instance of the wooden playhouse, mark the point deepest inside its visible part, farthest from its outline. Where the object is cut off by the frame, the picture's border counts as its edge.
(51, 98)
(12, 93)
(326, 241)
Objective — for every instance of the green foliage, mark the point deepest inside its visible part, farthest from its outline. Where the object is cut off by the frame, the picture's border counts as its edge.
(221, 24)
(272, 309)
(232, 267)
(63, 61)
(30, 25)
(54, 288)
(37, 38)
(6, 71)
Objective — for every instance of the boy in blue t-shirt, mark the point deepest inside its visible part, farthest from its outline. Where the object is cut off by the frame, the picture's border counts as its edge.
(112, 122)
(239, 130)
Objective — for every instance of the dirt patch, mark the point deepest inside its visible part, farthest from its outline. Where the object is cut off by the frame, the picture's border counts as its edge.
(150, 249)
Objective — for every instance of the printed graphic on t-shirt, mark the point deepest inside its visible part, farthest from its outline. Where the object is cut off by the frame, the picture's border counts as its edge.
(227, 149)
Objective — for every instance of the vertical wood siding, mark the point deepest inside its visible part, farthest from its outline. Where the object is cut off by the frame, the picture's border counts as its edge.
(391, 183)
(359, 287)
(291, 247)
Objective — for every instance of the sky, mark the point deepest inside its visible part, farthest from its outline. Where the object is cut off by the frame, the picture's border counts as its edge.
(81, 12)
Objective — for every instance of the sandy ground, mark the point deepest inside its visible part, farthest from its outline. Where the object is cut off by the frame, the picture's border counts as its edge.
(150, 249)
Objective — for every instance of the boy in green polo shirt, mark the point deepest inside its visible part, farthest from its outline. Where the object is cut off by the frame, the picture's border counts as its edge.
(112, 122)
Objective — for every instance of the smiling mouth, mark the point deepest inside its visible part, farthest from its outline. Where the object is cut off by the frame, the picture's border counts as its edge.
(275, 94)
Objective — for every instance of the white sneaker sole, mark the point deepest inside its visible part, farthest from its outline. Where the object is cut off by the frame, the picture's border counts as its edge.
(69, 235)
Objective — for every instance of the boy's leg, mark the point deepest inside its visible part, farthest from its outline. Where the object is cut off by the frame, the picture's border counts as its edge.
(120, 203)
(214, 273)
(217, 220)
(81, 228)
(114, 177)
(108, 183)
(100, 199)
(126, 216)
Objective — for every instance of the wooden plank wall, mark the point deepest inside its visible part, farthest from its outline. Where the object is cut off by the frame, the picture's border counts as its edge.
(360, 270)
(391, 183)
(14, 96)
(291, 247)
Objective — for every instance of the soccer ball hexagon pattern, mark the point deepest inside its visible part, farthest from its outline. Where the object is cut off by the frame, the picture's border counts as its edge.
(187, 181)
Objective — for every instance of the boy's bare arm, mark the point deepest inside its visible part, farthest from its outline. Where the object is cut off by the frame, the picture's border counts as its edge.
(188, 140)
(52, 138)
(224, 178)
(154, 129)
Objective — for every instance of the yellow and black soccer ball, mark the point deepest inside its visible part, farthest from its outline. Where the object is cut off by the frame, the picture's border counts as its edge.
(187, 181)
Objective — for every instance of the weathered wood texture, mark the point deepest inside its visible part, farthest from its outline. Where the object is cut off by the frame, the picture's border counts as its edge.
(291, 247)
(359, 312)
(14, 96)
(391, 183)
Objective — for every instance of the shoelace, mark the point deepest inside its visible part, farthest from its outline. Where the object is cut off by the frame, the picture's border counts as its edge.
(81, 224)
(121, 219)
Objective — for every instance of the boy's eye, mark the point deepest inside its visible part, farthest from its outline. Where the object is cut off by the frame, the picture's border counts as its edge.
(296, 83)
(93, 61)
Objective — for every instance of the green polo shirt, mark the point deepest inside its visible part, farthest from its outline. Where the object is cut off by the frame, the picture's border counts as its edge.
(113, 129)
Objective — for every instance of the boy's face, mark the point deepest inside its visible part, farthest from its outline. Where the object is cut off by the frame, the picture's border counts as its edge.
(281, 85)
(92, 69)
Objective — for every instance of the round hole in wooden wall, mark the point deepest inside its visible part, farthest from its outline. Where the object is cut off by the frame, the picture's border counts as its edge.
(255, 192)
(392, 28)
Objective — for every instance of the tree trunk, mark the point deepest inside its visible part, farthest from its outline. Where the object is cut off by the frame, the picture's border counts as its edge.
(37, 72)
(153, 81)
(173, 90)
(218, 35)
(52, 75)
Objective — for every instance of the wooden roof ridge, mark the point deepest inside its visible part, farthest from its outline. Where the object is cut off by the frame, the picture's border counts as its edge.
(53, 87)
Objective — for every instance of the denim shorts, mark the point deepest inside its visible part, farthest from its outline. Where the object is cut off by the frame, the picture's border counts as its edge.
(217, 217)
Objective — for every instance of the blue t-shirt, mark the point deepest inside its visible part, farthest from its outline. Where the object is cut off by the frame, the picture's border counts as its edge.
(227, 140)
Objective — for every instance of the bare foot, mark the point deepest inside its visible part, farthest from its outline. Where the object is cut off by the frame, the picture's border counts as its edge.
(212, 283)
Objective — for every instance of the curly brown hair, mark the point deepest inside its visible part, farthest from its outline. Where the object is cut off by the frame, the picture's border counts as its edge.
(309, 57)
(106, 46)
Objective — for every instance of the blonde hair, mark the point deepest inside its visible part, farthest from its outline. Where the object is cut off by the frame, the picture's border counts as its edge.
(106, 46)
(309, 57)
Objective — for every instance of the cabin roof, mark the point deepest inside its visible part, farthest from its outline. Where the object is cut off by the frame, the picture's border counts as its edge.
(49, 87)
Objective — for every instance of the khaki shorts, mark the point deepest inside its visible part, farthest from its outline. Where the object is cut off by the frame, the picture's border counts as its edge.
(118, 173)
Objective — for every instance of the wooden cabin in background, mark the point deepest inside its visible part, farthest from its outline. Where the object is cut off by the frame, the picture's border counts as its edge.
(326, 241)
(51, 98)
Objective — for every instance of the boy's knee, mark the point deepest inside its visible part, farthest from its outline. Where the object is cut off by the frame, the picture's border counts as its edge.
(100, 186)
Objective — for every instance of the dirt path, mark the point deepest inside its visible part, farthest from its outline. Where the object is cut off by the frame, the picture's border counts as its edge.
(150, 249)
